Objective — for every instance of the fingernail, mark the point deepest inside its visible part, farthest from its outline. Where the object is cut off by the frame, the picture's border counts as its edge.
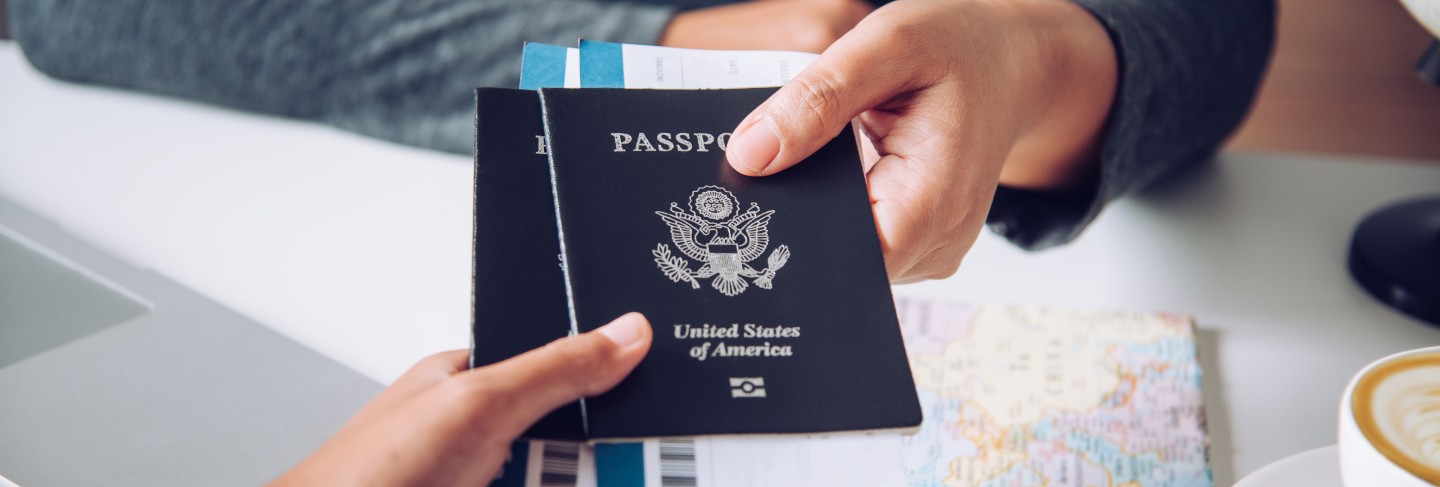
(626, 330)
(754, 148)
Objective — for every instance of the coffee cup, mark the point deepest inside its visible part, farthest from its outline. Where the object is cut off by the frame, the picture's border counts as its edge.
(1390, 422)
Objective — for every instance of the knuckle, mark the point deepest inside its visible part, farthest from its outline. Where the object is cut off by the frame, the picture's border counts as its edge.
(436, 365)
(434, 361)
(815, 98)
(481, 398)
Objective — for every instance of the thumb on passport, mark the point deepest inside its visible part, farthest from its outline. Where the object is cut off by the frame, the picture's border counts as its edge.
(568, 369)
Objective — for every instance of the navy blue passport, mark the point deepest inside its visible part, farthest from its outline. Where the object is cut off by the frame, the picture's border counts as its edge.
(768, 296)
(519, 295)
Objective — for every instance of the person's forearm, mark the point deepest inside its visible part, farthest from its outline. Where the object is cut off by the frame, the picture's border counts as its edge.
(1057, 147)
(393, 69)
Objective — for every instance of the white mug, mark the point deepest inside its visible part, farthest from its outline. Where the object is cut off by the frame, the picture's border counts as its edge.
(1390, 422)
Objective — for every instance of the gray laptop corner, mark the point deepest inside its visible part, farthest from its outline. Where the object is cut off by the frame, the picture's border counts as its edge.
(113, 375)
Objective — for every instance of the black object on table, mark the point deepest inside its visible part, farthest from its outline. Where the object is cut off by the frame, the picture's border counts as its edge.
(1395, 253)
(1395, 256)
(1428, 66)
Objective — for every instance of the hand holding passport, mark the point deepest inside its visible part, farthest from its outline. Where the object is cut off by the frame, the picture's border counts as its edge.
(444, 423)
(768, 296)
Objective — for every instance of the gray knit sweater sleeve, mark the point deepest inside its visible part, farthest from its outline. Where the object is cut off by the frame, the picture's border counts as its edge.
(1188, 72)
(402, 70)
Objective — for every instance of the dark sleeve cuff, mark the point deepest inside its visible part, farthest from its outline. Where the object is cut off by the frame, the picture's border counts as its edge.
(1188, 71)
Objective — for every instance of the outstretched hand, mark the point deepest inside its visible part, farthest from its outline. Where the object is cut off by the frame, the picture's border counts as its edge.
(956, 97)
(441, 424)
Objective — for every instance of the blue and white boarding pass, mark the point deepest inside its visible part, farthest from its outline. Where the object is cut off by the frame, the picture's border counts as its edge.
(549, 66)
(612, 65)
(609, 65)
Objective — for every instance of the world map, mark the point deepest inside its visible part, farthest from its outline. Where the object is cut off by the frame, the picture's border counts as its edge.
(1025, 396)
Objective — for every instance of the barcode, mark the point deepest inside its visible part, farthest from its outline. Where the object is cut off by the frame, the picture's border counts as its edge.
(677, 463)
(559, 464)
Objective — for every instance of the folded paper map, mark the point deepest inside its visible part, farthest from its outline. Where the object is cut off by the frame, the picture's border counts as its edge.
(1021, 396)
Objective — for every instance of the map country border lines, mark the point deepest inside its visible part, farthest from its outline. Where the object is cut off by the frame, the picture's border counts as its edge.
(1031, 396)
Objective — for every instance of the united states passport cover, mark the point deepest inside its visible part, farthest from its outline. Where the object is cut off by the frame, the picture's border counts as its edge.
(519, 295)
(768, 296)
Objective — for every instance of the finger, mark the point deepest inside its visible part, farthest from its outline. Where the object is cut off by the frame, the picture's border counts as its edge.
(878, 124)
(562, 372)
(857, 73)
(902, 215)
(435, 368)
(941, 263)
(421, 376)
(868, 153)
(926, 223)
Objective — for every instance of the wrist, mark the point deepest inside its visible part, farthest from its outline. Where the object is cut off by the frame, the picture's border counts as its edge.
(1071, 82)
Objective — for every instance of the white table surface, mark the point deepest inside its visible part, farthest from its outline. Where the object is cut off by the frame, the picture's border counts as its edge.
(360, 249)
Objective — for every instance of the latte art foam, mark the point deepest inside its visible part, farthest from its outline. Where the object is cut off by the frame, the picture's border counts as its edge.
(1397, 408)
(1418, 412)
